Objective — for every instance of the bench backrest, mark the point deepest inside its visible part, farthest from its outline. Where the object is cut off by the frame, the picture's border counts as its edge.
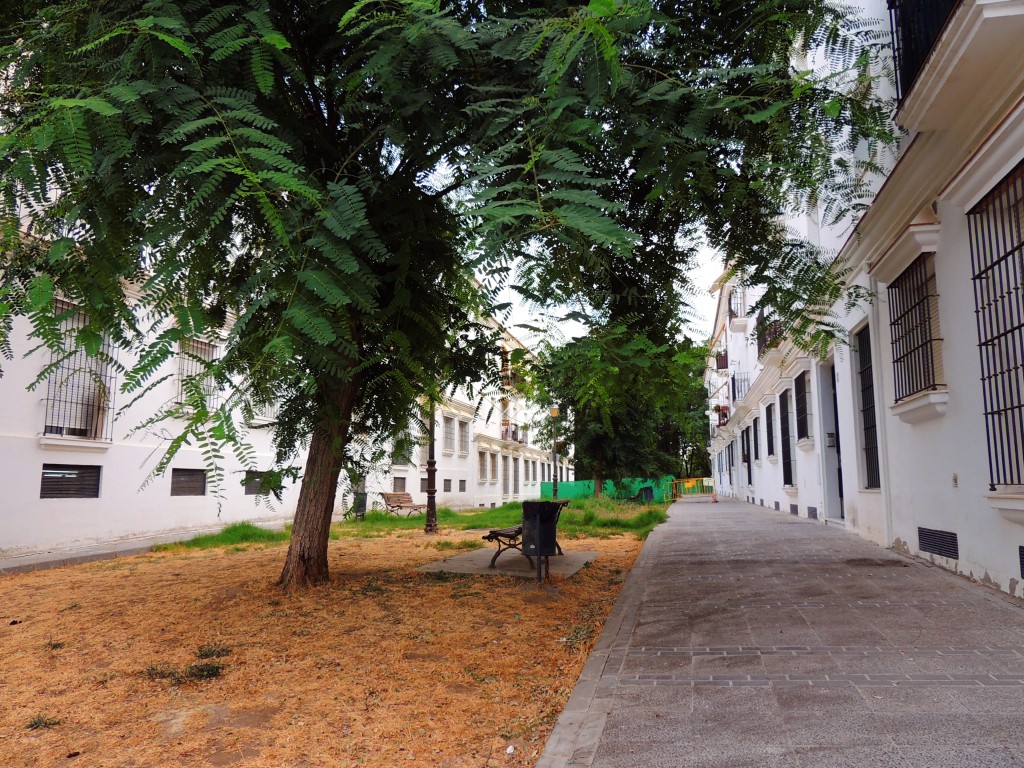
(398, 499)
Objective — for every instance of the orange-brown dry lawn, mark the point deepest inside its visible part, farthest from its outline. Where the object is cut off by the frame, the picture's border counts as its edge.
(385, 666)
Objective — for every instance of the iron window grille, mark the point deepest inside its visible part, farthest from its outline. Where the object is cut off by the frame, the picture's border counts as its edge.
(463, 437)
(746, 456)
(397, 485)
(515, 477)
(740, 385)
(482, 462)
(914, 327)
(784, 432)
(449, 434)
(915, 25)
(996, 226)
(800, 387)
(447, 485)
(769, 429)
(462, 486)
(755, 437)
(70, 481)
(194, 361)
(79, 387)
(869, 425)
(730, 459)
(188, 482)
(494, 467)
(504, 475)
(423, 485)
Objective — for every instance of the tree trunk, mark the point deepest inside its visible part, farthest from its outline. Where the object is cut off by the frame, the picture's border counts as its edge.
(598, 483)
(306, 562)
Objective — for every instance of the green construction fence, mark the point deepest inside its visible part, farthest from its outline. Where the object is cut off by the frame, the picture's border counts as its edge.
(628, 488)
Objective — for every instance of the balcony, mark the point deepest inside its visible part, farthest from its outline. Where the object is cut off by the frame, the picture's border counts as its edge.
(722, 361)
(513, 432)
(740, 386)
(916, 25)
(769, 335)
(722, 413)
(738, 312)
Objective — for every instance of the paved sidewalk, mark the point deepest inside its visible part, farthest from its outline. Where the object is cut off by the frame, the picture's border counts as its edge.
(747, 637)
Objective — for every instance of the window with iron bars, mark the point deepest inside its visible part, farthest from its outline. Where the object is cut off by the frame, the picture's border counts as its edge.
(996, 226)
(755, 436)
(800, 395)
(463, 437)
(784, 434)
(769, 429)
(868, 422)
(914, 327)
(746, 456)
(79, 387)
(194, 359)
(730, 461)
(504, 476)
(449, 433)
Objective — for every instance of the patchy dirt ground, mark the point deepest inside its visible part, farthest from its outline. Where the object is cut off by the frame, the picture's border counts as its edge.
(385, 666)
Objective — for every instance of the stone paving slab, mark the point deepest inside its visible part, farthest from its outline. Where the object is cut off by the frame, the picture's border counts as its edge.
(745, 636)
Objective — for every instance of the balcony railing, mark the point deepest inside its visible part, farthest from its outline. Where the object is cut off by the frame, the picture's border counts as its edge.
(768, 334)
(737, 304)
(740, 385)
(916, 25)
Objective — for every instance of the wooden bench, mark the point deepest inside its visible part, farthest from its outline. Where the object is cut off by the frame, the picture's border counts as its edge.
(397, 502)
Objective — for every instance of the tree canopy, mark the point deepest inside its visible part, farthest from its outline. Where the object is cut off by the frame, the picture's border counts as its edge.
(316, 183)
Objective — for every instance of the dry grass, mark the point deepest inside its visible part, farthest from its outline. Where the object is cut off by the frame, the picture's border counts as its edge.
(385, 666)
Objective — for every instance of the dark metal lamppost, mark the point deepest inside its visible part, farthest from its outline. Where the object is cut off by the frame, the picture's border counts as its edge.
(431, 524)
(554, 450)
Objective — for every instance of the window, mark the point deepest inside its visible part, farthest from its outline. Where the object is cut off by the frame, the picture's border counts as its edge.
(194, 359)
(997, 234)
(494, 467)
(397, 485)
(784, 434)
(535, 471)
(504, 475)
(869, 428)
(482, 465)
(79, 389)
(730, 459)
(755, 436)
(769, 429)
(423, 485)
(800, 387)
(463, 437)
(70, 481)
(746, 456)
(462, 486)
(515, 476)
(188, 482)
(447, 485)
(526, 471)
(449, 434)
(914, 327)
(255, 484)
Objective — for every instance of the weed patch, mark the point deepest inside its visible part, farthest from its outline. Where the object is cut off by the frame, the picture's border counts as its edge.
(40, 722)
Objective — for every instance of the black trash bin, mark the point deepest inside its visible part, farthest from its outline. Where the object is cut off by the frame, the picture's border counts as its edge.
(540, 524)
(359, 508)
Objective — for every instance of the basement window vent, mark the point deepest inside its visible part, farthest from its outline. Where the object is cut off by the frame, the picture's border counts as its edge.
(943, 543)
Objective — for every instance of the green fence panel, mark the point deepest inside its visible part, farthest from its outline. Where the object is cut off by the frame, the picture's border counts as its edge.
(626, 489)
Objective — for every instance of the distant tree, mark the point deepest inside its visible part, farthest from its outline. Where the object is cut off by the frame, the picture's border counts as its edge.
(317, 182)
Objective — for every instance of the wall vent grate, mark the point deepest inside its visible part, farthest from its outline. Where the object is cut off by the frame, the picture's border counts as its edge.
(942, 543)
(812, 513)
(794, 509)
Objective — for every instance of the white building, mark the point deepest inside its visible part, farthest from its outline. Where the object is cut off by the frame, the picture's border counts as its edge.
(75, 477)
(912, 434)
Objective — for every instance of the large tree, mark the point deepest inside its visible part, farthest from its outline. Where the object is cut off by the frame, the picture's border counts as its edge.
(316, 182)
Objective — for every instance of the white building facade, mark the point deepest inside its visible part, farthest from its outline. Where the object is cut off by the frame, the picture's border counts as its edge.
(911, 434)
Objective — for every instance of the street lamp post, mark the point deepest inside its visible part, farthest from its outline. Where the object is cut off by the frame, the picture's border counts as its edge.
(554, 451)
(431, 524)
